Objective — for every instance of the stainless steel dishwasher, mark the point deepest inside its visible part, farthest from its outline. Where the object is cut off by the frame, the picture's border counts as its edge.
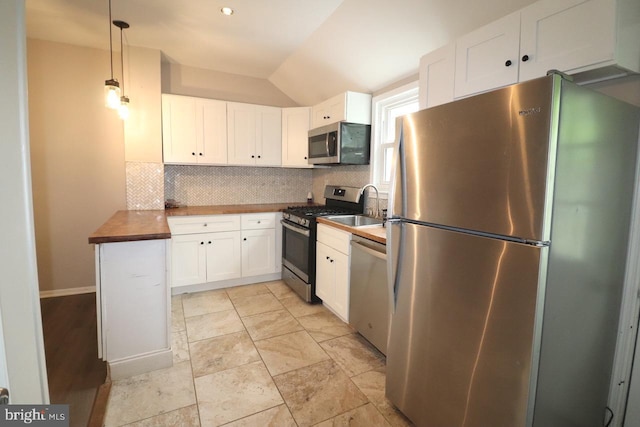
(369, 298)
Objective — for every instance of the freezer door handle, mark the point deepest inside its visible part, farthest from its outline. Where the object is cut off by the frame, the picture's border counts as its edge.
(394, 245)
(397, 203)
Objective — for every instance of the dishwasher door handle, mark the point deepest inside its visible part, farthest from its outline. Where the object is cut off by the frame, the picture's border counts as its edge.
(368, 250)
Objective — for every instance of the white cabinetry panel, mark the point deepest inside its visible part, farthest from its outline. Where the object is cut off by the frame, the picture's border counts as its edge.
(295, 136)
(437, 71)
(566, 35)
(487, 58)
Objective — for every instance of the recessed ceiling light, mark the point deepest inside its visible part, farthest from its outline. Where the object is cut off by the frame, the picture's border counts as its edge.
(227, 11)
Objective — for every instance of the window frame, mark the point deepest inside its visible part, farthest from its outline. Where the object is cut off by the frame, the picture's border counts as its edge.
(381, 104)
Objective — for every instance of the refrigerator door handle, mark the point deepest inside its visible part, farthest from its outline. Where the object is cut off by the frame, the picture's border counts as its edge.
(394, 245)
(397, 204)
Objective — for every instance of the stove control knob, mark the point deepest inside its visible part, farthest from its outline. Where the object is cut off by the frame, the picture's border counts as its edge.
(285, 216)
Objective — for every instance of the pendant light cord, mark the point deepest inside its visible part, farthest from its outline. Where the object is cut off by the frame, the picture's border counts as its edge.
(122, 61)
(110, 41)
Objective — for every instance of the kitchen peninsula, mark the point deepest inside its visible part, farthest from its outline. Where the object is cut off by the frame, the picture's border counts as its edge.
(133, 284)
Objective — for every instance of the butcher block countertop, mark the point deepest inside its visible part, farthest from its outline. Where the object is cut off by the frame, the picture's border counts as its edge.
(129, 226)
(376, 233)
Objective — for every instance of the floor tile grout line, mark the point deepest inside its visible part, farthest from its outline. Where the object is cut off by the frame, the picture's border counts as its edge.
(254, 341)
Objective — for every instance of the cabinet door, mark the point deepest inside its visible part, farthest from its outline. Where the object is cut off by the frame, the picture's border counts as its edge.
(258, 252)
(325, 274)
(179, 129)
(223, 256)
(437, 70)
(241, 134)
(212, 134)
(188, 260)
(268, 135)
(330, 111)
(487, 58)
(565, 35)
(341, 285)
(295, 136)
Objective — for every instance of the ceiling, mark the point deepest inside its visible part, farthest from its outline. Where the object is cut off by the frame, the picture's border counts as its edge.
(308, 49)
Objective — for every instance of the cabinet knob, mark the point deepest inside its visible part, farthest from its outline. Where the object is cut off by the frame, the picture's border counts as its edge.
(205, 224)
(305, 157)
(525, 58)
(193, 154)
(200, 154)
(259, 157)
(258, 222)
(508, 63)
(202, 243)
(253, 157)
(331, 260)
(209, 241)
(327, 257)
(245, 239)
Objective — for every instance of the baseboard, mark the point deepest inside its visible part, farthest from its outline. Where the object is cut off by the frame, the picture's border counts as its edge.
(67, 292)
(140, 364)
(210, 286)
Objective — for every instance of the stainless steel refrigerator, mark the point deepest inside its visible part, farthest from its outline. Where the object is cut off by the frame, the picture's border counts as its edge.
(507, 244)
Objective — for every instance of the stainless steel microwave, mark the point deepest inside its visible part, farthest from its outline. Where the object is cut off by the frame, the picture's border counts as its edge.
(340, 143)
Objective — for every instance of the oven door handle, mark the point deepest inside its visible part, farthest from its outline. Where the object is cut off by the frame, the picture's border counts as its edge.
(295, 229)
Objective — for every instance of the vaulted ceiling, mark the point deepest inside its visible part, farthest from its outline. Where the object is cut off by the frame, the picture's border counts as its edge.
(308, 49)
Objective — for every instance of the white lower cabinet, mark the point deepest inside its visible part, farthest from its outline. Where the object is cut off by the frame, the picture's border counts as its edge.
(258, 252)
(223, 256)
(332, 269)
(241, 247)
(201, 258)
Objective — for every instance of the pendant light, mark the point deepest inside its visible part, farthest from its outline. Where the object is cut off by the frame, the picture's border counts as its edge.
(111, 86)
(123, 108)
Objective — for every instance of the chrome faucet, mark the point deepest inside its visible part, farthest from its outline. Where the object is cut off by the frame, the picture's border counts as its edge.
(377, 212)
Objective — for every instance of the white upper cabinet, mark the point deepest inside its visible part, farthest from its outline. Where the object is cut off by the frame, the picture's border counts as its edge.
(295, 136)
(193, 130)
(591, 39)
(351, 107)
(254, 134)
(437, 71)
(211, 117)
(579, 35)
(488, 57)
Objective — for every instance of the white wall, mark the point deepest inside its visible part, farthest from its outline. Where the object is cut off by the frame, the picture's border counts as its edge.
(77, 153)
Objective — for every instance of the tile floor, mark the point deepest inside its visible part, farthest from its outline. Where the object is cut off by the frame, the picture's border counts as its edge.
(258, 355)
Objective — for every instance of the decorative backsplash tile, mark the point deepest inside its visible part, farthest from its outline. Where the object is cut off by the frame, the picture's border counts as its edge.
(150, 184)
(145, 185)
(351, 176)
(225, 185)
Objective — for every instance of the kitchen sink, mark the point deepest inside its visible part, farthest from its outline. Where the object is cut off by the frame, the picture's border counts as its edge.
(355, 220)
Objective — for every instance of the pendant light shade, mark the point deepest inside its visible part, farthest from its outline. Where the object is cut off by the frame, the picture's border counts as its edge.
(112, 93)
(123, 102)
(123, 109)
(111, 86)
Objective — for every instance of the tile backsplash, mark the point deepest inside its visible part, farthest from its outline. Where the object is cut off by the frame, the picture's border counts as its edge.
(150, 184)
(145, 185)
(228, 185)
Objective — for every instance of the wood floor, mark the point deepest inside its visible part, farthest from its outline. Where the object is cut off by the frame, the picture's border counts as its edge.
(75, 373)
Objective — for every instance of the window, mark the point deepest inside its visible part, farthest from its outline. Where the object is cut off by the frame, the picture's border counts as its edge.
(386, 108)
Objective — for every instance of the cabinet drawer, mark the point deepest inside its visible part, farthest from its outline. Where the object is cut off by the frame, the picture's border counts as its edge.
(258, 221)
(334, 238)
(204, 224)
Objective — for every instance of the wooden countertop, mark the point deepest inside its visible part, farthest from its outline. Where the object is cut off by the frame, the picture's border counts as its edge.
(230, 209)
(375, 233)
(128, 226)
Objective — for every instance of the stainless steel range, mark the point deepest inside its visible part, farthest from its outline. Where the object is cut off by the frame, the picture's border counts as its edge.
(299, 237)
